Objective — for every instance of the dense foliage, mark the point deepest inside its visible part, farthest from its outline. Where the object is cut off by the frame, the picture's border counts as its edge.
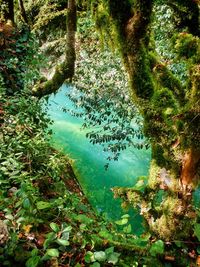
(45, 220)
(109, 116)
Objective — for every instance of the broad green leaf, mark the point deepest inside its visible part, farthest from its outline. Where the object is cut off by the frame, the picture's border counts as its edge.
(26, 204)
(65, 235)
(89, 257)
(9, 217)
(109, 250)
(34, 252)
(54, 227)
(33, 261)
(100, 256)
(127, 229)
(41, 205)
(52, 252)
(157, 248)
(113, 258)
(140, 185)
(125, 216)
(67, 229)
(197, 230)
(178, 244)
(62, 242)
(50, 238)
(122, 221)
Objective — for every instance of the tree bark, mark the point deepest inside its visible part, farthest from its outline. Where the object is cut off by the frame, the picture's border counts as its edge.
(190, 164)
(66, 69)
(22, 11)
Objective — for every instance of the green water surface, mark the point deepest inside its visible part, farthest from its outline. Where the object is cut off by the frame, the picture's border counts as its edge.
(89, 160)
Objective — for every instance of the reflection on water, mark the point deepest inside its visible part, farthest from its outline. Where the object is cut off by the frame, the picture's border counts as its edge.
(89, 160)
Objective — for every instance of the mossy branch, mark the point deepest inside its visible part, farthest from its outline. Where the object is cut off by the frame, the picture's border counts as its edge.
(63, 71)
(66, 69)
(167, 79)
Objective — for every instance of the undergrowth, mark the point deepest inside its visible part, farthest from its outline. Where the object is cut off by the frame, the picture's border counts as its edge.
(45, 220)
(49, 221)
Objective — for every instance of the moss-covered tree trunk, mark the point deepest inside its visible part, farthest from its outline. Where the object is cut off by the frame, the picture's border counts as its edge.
(155, 89)
(66, 69)
(169, 108)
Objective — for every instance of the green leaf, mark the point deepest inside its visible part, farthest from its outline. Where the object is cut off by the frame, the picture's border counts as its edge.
(34, 252)
(67, 229)
(65, 235)
(62, 242)
(33, 261)
(157, 248)
(109, 250)
(197, 230)
(125, 216)
(113, 258)
(26, 204)
(122, 221)
(100, 256)
(9, 217)
(178, 244)
(54, 227)
(41, 205)
(52, 252)
(95, 264)
(127, 229)
(140, 185)
(89, 257)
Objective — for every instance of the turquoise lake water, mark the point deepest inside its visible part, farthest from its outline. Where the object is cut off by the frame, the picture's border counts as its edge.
(89, 160)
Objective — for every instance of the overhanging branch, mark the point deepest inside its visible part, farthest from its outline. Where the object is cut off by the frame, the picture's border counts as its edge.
(66, 69)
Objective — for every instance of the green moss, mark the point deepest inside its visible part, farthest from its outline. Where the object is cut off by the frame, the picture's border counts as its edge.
(133, 197)
(195, 86)
(187, 45)
(172, 206)
(158, 154)
(163, 99)
(154, 174)
(164, 226)
(167, 80)
(63, 71)
(140, 75)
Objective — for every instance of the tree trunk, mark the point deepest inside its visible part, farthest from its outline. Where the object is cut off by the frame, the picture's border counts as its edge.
(190, 164)
(22, 11)
(66, 69)
(70, 38)
(170, 112)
